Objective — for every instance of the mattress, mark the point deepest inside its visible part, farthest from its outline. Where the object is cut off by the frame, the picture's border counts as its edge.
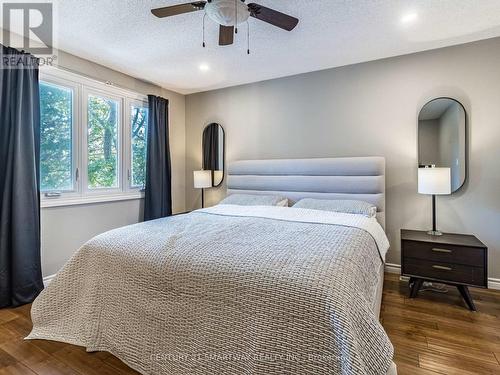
(230, 289)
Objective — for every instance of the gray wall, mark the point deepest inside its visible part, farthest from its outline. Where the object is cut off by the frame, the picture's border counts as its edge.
(370, 109)
(65, 229)
(428, 142)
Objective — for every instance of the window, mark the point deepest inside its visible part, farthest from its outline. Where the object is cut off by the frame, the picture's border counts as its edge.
(102, 142)
(138, 133)
(93, 141)
(56, 138)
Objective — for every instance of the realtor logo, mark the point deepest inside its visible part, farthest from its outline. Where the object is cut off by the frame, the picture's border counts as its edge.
(28, 26)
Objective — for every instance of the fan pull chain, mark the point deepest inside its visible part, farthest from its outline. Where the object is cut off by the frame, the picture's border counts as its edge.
(236, 16)
(204, 45)
(248, 38)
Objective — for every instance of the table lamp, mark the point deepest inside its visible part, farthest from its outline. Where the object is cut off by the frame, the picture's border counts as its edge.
(202, 180)
(434, 181)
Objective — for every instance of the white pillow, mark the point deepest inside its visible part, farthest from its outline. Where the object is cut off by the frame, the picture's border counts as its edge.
(255, 200)
(345, 206)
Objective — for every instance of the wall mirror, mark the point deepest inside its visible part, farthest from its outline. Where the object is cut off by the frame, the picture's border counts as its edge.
(213, 152)
(442, 138)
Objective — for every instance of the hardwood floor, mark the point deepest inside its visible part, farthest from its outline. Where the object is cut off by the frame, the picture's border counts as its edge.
(435, 334)
(432, 334)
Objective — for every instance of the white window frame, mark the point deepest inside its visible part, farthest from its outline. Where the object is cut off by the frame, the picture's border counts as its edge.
(76, 192)
(82, 87)
(119, 170)
(128, 140)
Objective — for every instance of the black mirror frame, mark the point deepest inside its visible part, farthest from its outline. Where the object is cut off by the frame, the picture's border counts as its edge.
(223, 152)
(466, 143)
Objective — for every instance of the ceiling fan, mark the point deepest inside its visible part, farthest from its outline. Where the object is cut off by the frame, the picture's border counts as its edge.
(229, 14)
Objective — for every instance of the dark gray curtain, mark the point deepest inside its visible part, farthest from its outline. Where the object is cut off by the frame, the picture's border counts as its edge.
(158, 196)
(211, 147)
(20, 270)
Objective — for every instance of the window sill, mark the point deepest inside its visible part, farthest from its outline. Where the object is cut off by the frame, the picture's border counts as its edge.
(59, 202)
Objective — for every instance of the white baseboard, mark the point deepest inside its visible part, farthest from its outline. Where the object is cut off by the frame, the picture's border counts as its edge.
(392, 268)
(48, 279)
(396, 268)
(493, 283)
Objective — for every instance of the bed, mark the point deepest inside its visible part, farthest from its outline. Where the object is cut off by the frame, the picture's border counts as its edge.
(237, 290)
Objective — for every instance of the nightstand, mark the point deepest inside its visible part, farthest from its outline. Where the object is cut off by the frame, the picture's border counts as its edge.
(460, 260)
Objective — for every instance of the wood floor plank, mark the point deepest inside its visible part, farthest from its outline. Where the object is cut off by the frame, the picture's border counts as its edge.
(52, 366)
(6, 359)
(406, 369)
(23, 351)
(7, 334)
(6, 315)
(84, 363)
(119, 365)
(16, 369)
(456, 364)
(448, 347)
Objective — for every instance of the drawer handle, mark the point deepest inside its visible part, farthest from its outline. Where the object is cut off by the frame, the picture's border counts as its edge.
(437, 250)
(442, 268)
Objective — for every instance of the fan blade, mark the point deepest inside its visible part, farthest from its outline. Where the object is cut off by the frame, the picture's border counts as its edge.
(273, 17)
(226, 35)
(178, 9)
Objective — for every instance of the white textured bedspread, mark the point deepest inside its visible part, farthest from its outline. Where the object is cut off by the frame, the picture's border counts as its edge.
(226, 290)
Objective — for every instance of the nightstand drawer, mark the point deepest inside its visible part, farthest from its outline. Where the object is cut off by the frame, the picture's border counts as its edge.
(444, 271)
(472, 256)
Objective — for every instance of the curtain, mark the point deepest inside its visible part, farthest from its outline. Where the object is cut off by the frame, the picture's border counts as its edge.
(211, 147)
(20, 268)
(158, 195)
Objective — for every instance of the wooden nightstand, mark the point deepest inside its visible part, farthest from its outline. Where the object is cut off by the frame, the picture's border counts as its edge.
(455, 259)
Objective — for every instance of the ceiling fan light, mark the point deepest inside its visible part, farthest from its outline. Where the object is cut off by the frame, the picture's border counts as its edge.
(223, 12)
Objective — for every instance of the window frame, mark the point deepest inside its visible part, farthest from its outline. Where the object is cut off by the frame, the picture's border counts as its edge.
(82, 87)
(119, 168)
(76, 192)
(128, 142)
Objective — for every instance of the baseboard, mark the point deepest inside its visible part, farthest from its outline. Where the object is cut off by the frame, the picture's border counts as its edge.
(392, 268)
(396, 268)
(493, 283)
(48, 279)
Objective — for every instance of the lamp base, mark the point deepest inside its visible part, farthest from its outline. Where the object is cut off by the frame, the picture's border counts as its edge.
(435, 233)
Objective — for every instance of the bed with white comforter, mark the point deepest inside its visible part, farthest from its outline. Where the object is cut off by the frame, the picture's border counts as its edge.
(227, 290)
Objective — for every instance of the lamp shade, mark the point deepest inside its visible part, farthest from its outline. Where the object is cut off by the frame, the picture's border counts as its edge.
(202, 179)
(434, 181)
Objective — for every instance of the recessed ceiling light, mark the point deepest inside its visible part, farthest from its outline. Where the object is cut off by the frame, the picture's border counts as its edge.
(204, 67)
(409, 18)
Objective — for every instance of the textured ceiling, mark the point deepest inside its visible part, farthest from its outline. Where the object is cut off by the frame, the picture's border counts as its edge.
(124, 35)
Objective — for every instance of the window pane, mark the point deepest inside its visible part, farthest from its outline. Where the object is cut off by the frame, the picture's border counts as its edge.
(102, 142)
(56, 159)
(138, 127)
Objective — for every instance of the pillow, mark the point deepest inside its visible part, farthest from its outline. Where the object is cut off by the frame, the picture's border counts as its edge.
(255, 200)
(345, 206)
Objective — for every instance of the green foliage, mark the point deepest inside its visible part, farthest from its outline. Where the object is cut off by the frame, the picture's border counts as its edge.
(102, 139)
(139, 119)
(55, 138)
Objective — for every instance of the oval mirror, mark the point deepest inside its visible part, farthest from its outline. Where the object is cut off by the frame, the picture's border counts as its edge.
(442, 138)
(213, 152)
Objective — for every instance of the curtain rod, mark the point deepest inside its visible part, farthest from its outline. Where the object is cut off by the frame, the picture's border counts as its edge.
(106, 82)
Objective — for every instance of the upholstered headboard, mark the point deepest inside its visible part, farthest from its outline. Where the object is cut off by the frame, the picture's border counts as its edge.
(361, 178)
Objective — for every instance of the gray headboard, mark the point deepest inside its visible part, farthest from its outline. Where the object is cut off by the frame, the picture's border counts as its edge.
(361, 178)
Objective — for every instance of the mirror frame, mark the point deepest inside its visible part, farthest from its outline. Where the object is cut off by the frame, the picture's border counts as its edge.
(223, 152)
(466, 143)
